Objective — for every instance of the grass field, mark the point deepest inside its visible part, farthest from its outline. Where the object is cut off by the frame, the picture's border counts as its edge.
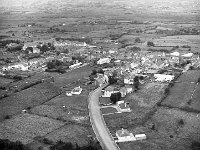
(195, 103)
(73, 75)
(108, 110)
(189, 76)
(104, 100)
(179, 95)
(25, 127)
(167, 121)
(4, 81)
(67, 114)
(30, 97)
(71, 133)
(78, 102)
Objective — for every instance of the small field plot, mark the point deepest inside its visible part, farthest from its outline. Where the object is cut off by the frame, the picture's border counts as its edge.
(66, 114)
(195, 103)
(30, 97)
(176, 123)
(179, 95)
(5, 81)
(70, 133)
(189, 76)
(71, 76)
(75, 101)
(24, 127)
(104, 100)
(147, 97)
(108, 110)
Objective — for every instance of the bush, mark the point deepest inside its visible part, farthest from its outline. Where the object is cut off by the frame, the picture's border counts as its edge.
(7, 117)
(195, 145)
(5, 144)
(150, 44)
(137, 40)
(47, 141)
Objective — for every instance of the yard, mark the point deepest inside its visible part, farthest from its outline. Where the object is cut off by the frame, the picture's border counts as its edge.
(108, 110)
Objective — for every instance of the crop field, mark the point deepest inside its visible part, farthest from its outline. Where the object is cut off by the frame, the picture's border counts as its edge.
(189, 76)
(179, 95)
(108, 110)
(25, 127)
(71, 133)
(67, 114)
(30, 97)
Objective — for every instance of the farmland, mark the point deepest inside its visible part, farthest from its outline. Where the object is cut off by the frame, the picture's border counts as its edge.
(24, 99)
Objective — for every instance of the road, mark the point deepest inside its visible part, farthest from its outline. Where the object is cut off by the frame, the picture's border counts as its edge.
(98, 124)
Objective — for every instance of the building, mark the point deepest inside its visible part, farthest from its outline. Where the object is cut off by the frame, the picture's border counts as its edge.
(75, 65)
(124, 107)
(108, 91)
(77, 90)
(163, 77)
(103, 61)
(124, 135)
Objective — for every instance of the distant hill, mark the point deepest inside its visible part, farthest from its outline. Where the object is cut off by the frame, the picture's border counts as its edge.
(152, 6)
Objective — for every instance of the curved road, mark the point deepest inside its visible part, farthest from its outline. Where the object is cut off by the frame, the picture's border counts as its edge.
(101, 131)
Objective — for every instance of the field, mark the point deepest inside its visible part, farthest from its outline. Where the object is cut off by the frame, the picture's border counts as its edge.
(71, 133)
(168, 132)
(179, 95)
(142, 103)
(25, 127)
(30, 97)
(71, 76)
(104, 100)
(108, 110)
(189, 76)
(4, 81)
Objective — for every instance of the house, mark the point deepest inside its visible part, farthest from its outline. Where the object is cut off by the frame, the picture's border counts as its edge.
(77, 90)
(140, 137)
(124, 107)
(124, 135)
(123, 91)
(103, 61)
(129, 89)
(163, 77)
(75, 65)
(36, 50)
(108, 91)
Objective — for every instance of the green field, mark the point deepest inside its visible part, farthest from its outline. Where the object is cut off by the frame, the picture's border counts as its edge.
(30, 97)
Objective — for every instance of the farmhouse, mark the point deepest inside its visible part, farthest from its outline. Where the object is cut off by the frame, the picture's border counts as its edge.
(124, 107)
(124, 135)
(77, 90)
(103, 61)
(163, 77)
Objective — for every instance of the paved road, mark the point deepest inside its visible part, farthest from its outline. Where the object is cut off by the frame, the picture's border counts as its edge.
(101, 131)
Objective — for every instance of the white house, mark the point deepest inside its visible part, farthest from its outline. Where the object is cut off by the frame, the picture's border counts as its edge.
(77, 90)
(124, 107)
(163, 77)
(108, 91)
(124, 135)
(103, 61)
(75, 65)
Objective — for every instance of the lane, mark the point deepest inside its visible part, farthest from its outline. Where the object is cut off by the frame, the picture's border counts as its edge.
(101, 131)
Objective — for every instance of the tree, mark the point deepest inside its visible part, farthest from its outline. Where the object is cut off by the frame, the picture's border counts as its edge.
(150, 44)
(115, 97)
(137, 40)
(136, 82)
